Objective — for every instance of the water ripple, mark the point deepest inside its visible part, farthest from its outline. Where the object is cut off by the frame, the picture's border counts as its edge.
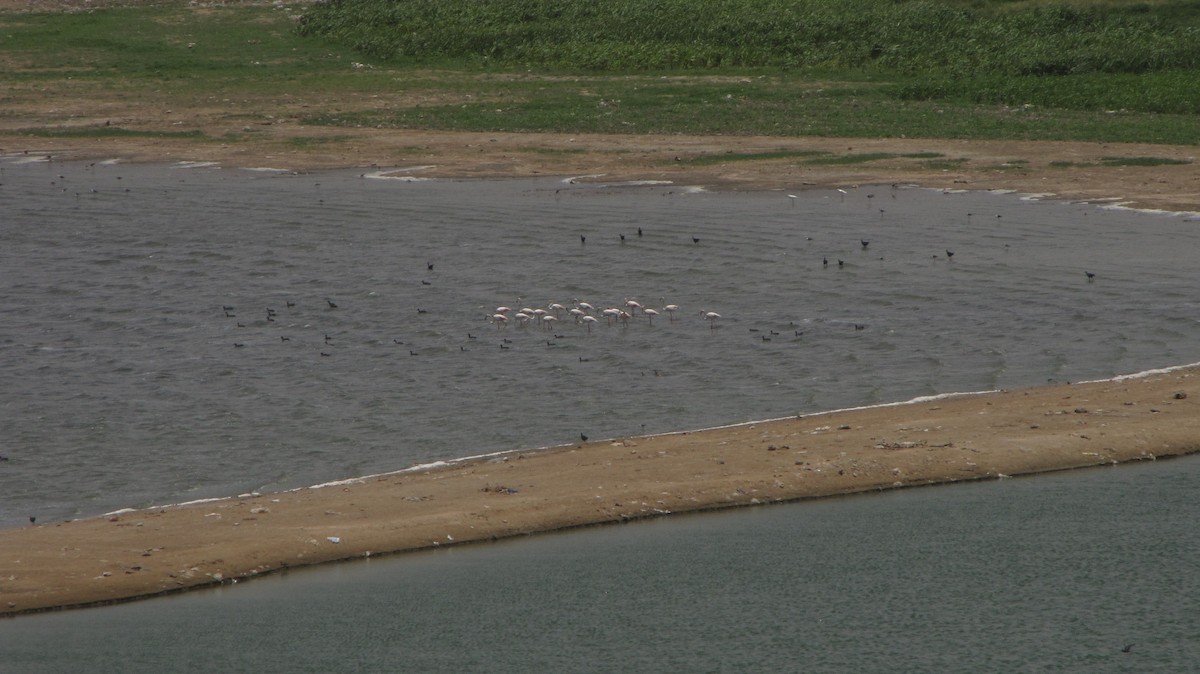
(133, 384)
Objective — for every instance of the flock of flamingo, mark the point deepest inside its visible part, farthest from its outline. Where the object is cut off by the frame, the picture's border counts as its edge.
(583, 313)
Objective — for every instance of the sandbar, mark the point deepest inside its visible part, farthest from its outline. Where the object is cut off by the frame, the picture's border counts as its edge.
(147, 552)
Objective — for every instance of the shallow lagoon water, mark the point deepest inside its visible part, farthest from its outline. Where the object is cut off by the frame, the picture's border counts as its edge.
(124, 385)
(127, 384)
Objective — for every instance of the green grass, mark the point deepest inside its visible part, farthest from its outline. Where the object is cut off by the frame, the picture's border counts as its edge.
(1115, 56)
(769, 105)
(904, 36)
(844, 68)
(252, 46)
(1166, 91)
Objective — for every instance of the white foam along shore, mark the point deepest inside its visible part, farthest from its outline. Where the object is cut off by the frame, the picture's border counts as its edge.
(1106, 203)
(391, 174)
(513, 452)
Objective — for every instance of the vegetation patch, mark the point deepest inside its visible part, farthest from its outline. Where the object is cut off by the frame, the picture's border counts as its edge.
(1104, 71)
(1142, 161)
(109, 132)
(852, 158)
(1123, 161)
(944, 164)
(906, 36)
(1025, 57)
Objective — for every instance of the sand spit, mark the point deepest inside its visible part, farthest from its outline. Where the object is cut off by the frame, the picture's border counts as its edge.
(141, 553)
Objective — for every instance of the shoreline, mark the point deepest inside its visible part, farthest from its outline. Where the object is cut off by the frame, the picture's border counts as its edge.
(135, 554)
(446, 463)
(1025, 167)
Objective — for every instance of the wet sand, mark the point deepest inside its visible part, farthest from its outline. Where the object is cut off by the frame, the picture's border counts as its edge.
(142, 553)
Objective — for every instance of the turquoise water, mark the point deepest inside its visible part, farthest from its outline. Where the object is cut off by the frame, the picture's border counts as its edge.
(1053, 573)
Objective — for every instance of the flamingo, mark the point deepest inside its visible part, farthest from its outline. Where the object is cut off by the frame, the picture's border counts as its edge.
(556, 308)
(588, 320)
(650, 314)
(585, 306)
(671, 309)
(577, 313)
(611, 313)
(633, 306)
(548, 321)
(500, 320)
(503, 310)
(712, 317)
(522, 316)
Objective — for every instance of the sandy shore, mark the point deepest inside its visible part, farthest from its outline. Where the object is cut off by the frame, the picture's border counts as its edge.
(142, 553)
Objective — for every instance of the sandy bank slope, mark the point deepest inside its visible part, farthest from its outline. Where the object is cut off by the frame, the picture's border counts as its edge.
(147, 552)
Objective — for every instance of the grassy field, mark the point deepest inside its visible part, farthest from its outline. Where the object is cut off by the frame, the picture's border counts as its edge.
(1098, 71)
(903, 36)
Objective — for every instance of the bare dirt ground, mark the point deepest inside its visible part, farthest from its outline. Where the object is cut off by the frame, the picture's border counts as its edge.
(279, 140)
